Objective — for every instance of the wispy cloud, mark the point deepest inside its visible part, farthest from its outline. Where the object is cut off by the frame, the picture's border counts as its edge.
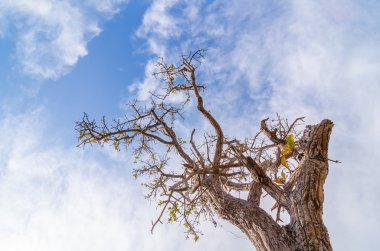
(314, 59)
(52, 35)
(54, 198)
(301, 58)
(57, 198)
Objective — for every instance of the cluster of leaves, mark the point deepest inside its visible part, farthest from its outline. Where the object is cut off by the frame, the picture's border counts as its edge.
(286, 152)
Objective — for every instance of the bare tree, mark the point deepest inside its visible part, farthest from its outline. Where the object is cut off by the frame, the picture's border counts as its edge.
(288, 165)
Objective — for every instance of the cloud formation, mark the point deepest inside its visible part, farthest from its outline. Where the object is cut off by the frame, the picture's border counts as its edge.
(54, 198)
(299, 59)
(52, 35)
(303, 58)
(58, 198)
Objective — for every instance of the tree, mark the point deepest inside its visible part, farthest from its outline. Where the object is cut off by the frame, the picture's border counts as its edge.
(288, 165)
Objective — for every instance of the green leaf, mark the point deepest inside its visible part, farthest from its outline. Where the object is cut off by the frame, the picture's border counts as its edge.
(173, 213)
(290, 141)
(116, 145)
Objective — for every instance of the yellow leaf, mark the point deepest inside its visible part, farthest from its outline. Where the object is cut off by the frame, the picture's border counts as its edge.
(283, 174)
(93, 141)
(279, 180)
(287, 150)
(283, 161)
(84, 135)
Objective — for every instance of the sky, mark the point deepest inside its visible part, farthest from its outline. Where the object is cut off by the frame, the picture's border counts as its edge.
(60, 58)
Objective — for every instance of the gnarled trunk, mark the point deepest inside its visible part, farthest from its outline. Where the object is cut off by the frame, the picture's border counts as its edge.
(302, 198)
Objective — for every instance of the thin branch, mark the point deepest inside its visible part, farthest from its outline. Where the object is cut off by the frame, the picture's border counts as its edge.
(271, 134)
(335, 161)
(161, 214)
(210, 118)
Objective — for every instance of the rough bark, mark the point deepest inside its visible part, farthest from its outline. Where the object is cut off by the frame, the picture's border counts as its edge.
(303, 200)
(256, 223)
(307, 197)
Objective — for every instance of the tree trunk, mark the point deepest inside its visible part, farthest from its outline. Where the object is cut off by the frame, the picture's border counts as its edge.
(303, 200)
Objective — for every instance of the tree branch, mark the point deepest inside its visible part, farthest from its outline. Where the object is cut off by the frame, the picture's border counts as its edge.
(173, 136)
(271, 134)
(210, 118)
(247, 217)
(254, 194)
(260, 177)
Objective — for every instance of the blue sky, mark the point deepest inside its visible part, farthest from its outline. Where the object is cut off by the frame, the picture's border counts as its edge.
(318, 59)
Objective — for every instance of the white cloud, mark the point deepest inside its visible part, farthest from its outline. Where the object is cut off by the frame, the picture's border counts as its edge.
(106, 6)
(57, 198)
(150, 83)
(158, 20)
(54, 198)
(52, 35)
(300, 59)
(315, 59)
